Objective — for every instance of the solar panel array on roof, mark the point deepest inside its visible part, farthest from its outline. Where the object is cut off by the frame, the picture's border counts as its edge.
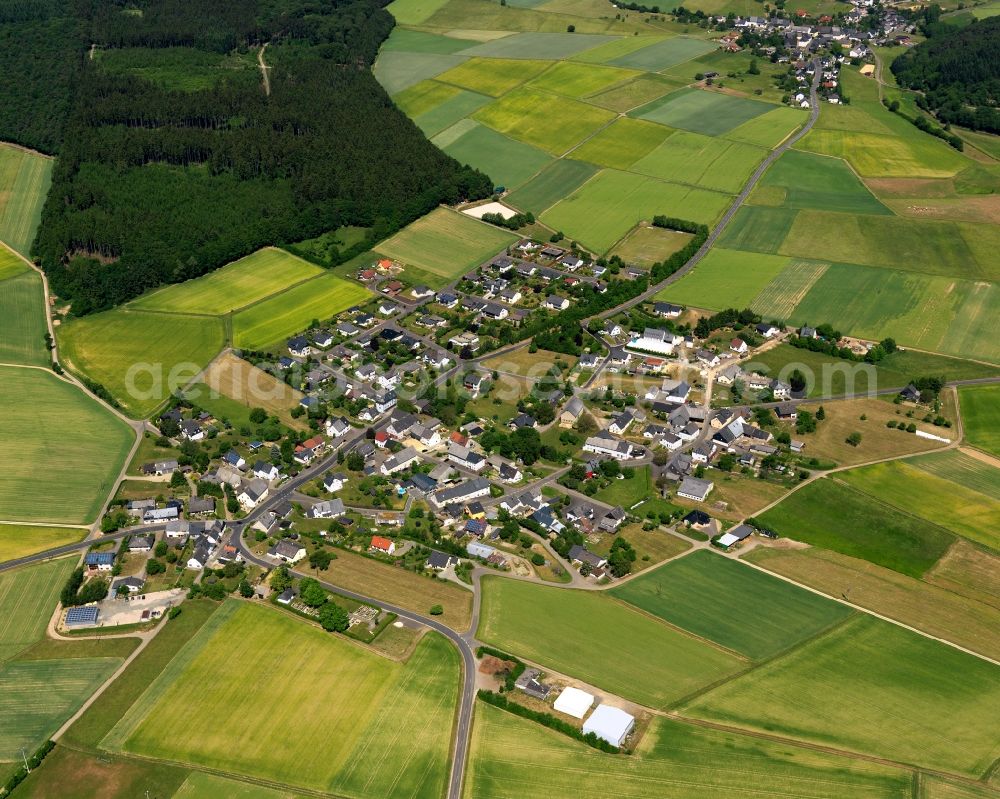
(78, 617)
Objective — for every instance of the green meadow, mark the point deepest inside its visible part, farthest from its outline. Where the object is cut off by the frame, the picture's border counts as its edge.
(508, 162)
(28, 597)
(804, 180)
(596, 639)
(22, 318)
(725, 279)
(702, 111)
(981, 416)
(874, 688)
(25, 178)
(622, 143)
(557, 180)
(702, 161)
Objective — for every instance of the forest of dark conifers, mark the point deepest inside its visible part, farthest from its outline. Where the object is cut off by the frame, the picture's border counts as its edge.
(158, 183)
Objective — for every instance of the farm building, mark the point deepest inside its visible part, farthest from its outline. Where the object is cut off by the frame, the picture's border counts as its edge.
(478, 550)
(735, 535)
(574, 702)
(610, 724)
(693, 488)
(81, 617)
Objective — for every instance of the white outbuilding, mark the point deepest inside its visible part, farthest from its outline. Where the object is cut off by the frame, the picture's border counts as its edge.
(574, 702)
(610, 724)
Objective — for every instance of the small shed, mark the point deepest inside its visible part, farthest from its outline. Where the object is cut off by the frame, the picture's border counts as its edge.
(574, 702)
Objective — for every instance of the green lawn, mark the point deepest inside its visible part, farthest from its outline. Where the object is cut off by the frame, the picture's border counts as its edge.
(166, 351)
(805, 180)
(412, 41)
(61, 450)
(981, 416)
(557, 180)
(234, 286)
(37, 696)
(647, 245)
(22, 317)
(17, 540)
(702, 161)
(25, 178)
(292, 311)
(28, 596)
(594, 638)
(725, 279)
(508, 162)
(527, 115)
(511, 756)
(627, 492)
(703, 592)
(607, 207)
(876, 688)
(354, 707)
(701, 111)
(446, 244)
(830, 514)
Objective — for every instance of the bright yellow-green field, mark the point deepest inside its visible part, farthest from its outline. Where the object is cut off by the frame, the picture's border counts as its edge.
(493, 76)
(446, 243)
(25, 178)
(17, 540)
(141, 357)
(28, 596)
(10, 264)
(285, 314)
(236, 285)
(375, 727)
(622, 143)
(580, 80)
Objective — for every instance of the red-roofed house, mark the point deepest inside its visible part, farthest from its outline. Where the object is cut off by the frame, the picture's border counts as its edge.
(382, 544)
(738, 345)
(459, 439)
(381, 438)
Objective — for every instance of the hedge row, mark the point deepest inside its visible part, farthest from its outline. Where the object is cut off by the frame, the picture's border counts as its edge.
(33, 762)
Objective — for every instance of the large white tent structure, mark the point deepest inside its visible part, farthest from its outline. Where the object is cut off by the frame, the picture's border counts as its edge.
(612, 724)
(574, 702)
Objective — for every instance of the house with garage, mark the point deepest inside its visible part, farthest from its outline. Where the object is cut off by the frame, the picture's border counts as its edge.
(326, 509)
(287, 551)
(606, 444)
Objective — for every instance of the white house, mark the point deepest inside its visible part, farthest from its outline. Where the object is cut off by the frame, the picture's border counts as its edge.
(253, 492)
(695, 489)
(399, 461)
(287, 551)
(465, 457)
(739, 346)
(334, 482)
(655, 340)
(609, 446)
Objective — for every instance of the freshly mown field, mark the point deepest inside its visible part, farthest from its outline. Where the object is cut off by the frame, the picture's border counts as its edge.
(289, 312)
(968, 571)
(559, 179)
(941, 612)
(829, 513)
(702, 161)
(946, 503)
(507, 161)
(17, 541)
(646, 245)
(22, 318)
(622, 143)
(700, 111)
(981, 416)
(894, 371)
(527, 115)
(353, 707)
(725, 279)
(805, 180)
(242, 382)
(608, 206)
(60, 449)
(702, 592)
(28, 597)
(25, 178)
(511, 756)
(446, 244)
(595, 639)
(872, 687)
(37, 696)
(166, 349)
(235, 286)
(493, 76)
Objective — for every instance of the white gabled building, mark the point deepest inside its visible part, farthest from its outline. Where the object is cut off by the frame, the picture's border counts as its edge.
(609, 446)
(654, 339)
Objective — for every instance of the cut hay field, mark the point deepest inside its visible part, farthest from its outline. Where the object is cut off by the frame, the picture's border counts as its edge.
(251, 387)
(22, 317)
(647, 245)
(526, 114)
(507, 161)
(596, 639)
(622, 143)
(963, 467)
(947, 503)
(234, 286)
(935, 610)
(981, 417)
(351, 705)
(107, 345)
(701, 111)
(61, 450)
(725, 279)
(699, 592)
(702, 161)
(37, 696)
(805, 180)
(872, 687)
(559, 179)
(608, 206)
(19, 540)
(446, 244)
(969, 571)
(25, 178)
(831, 514)
(511, 757)
(282, 315)
(28, 596)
